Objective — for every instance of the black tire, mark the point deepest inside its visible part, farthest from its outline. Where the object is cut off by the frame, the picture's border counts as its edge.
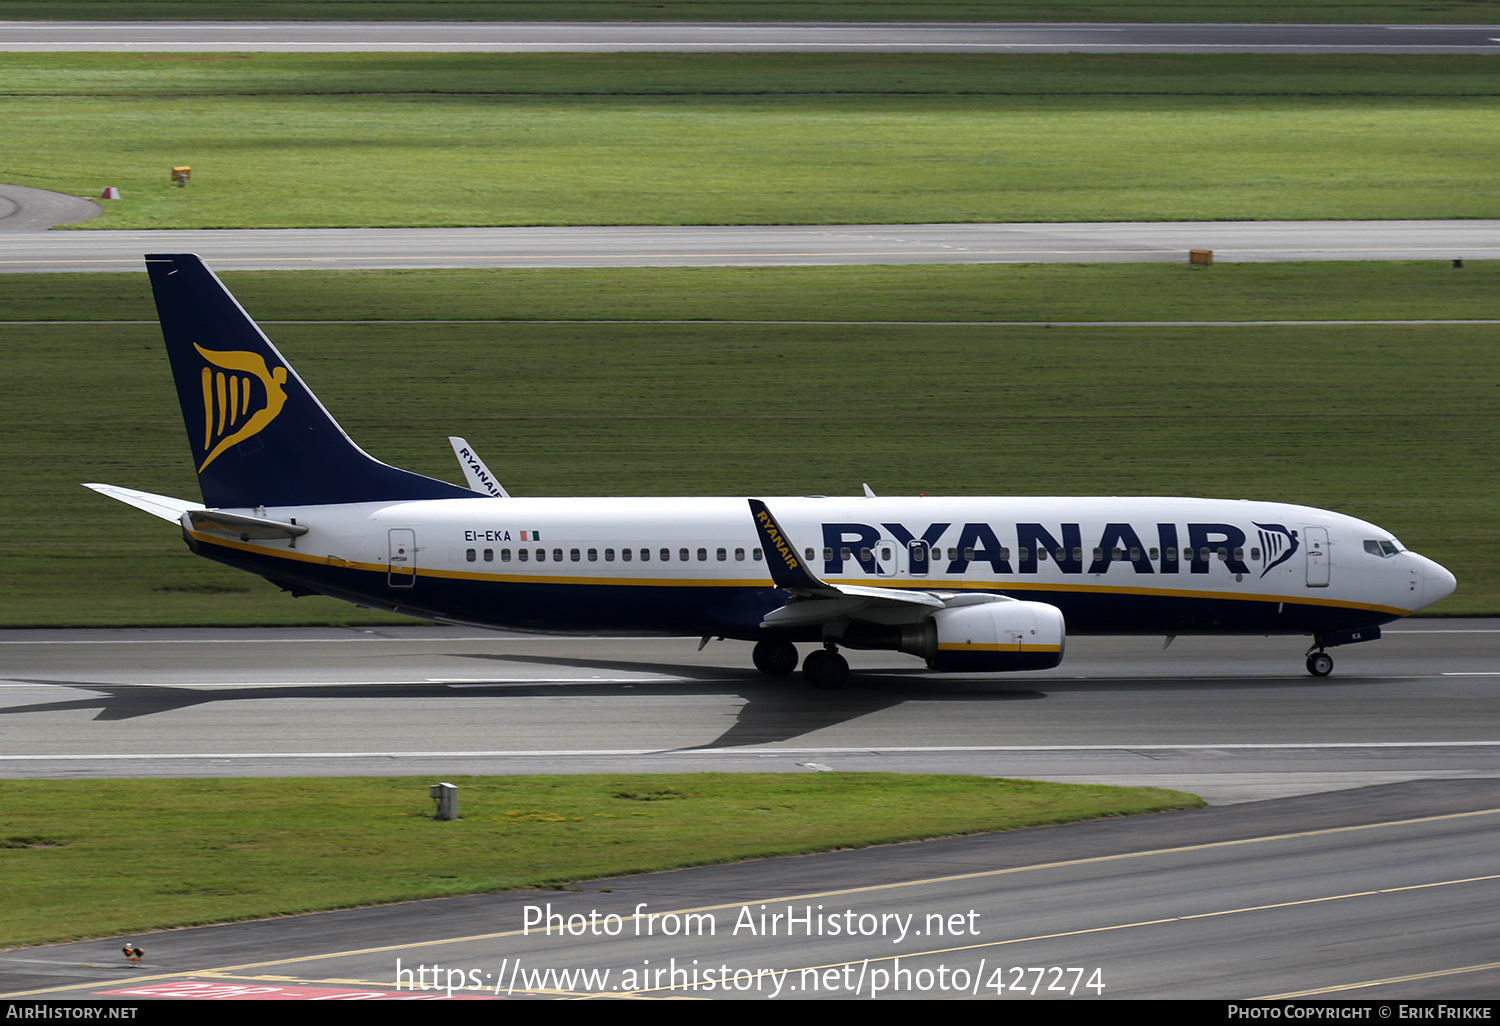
(825, 670)
(775, 658)
(1320, 664)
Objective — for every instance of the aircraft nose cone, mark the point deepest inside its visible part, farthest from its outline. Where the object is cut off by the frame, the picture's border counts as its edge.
(1437, 582)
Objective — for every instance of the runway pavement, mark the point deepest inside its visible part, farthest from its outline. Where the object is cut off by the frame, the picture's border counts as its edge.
(750, 245)
(1354, 813)
(534, 37)
(1232, 719)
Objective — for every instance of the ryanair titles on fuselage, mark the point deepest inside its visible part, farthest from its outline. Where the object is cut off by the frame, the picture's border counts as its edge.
(951, 549)
(1170, 550)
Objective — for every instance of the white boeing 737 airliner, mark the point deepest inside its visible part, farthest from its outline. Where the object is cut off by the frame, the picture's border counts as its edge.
(966, 584)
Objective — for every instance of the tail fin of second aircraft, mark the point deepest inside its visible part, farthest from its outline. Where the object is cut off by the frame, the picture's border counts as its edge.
(259, 436)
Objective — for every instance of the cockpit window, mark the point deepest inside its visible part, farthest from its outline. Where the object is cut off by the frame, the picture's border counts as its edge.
(1384, 549)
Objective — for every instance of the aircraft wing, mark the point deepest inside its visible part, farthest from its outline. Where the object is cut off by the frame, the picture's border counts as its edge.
(816, 601)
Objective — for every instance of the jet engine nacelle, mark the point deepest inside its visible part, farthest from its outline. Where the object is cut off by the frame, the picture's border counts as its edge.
(995, 636)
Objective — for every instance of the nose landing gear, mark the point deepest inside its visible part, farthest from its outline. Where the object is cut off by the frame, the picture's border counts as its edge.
(1319, 663)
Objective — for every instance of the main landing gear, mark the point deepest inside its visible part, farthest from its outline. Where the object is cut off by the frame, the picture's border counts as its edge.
(776, 658)
(824, 668)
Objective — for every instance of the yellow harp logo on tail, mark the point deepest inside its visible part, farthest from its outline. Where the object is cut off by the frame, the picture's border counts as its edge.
(228, 399)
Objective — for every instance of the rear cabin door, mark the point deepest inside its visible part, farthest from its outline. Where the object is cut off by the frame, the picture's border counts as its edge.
(403, 558)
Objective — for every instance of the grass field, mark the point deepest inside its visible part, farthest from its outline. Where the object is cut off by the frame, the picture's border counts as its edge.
(1391, 11)
(1394, 423)
(88, 858)
(432, 139)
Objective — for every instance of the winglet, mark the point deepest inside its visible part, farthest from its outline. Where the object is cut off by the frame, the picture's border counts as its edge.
(475, 472)
(787, 568)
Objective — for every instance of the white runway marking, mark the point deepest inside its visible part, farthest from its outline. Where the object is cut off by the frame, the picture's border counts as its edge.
(751, 750)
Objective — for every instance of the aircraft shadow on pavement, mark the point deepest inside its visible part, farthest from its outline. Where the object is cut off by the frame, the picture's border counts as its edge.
(773, 710)
(780, 709)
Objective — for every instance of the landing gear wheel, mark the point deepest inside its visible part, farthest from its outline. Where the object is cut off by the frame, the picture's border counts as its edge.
(777, 658)
(1320, 664)
(826, 670)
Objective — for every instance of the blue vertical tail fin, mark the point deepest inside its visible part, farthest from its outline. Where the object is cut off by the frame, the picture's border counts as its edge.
(258, 434)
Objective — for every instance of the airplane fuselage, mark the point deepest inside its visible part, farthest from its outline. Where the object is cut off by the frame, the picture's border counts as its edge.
(696, 566)
(965, 584)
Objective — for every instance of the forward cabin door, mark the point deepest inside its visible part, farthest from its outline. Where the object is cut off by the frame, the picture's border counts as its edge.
(402, 562)
(1318, 570)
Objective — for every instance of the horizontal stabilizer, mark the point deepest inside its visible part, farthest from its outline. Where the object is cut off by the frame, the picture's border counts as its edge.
(163, 506)
(239, 525)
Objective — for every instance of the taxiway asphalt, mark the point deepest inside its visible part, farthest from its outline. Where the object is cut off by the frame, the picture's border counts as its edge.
(756, 245)
(1349, 855)
(684, 37)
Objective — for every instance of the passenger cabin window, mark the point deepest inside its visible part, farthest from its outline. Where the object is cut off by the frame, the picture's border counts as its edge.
(722, 555)
(593, 555)
(757, 555)
(739, 555)
(557, 555)
(470, 555)
(575, 555)
(489, 555)
(625, 555)
(645, 555)
(505, 555)
(609, 555)
(703, 555)
(541, 555)
(523, 554)
(666, 555)
(683, 555)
